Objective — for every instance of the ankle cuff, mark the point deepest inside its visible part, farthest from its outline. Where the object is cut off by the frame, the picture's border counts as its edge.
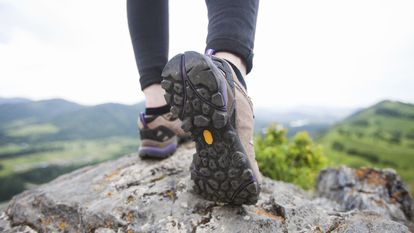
(158, 111)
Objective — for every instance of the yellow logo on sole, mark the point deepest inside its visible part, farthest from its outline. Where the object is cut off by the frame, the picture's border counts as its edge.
(208, 137)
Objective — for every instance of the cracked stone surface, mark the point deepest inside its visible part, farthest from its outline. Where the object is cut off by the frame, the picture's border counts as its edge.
(134, 195)
(377, 190)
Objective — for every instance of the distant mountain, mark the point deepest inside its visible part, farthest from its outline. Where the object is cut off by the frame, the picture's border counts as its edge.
(22, 120)
(58, 119)
(35, 111)
(99, 121)
(303, 118)
(13, 100)
(381, 135)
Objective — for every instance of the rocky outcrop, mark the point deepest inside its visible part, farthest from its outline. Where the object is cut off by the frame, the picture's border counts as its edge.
(133, 195)
(381, 191)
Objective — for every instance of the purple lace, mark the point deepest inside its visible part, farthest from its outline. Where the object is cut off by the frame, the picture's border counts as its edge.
(142, 118)
(210, 52)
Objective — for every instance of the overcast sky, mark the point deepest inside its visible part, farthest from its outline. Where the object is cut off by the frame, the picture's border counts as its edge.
(319, 53)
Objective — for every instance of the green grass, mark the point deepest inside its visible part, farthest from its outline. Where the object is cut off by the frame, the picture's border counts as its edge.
(11, 148)
(31, 130)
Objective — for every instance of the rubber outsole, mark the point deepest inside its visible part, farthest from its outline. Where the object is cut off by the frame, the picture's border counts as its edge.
(156, 152)
(198, 96)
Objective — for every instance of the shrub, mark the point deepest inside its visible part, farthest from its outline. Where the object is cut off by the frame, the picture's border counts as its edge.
(410, 135)
(297, 161)
(337, 146)
(361, 123)
(395, 137)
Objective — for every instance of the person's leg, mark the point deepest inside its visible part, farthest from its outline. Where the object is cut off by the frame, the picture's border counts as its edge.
(231, 31)
(148, 26)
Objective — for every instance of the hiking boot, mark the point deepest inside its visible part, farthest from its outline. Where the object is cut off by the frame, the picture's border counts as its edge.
(160, 135)
(204, 93)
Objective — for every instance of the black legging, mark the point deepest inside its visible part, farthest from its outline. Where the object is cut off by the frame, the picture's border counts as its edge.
(231, 28)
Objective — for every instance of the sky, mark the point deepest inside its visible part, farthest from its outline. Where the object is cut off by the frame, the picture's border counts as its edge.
(307, 53)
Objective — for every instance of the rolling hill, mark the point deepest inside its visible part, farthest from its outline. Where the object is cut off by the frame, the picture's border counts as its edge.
(25, 121)
(58, 119)
(13, 100)
(380, 136)
(40, 140)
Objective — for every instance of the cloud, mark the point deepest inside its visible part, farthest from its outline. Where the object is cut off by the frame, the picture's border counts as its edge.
(320, 52)
(333, 53)
(30, 17)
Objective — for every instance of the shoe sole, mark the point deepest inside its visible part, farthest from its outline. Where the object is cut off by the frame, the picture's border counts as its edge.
(220, 169)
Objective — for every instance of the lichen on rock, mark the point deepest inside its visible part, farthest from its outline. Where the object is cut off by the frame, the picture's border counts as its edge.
(381, 191)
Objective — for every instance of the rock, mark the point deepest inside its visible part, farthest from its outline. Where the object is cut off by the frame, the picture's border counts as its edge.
(134, 195)
(381, 191)
(5, 226)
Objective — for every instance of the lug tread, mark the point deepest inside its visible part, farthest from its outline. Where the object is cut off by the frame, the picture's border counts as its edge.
(220, 169)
